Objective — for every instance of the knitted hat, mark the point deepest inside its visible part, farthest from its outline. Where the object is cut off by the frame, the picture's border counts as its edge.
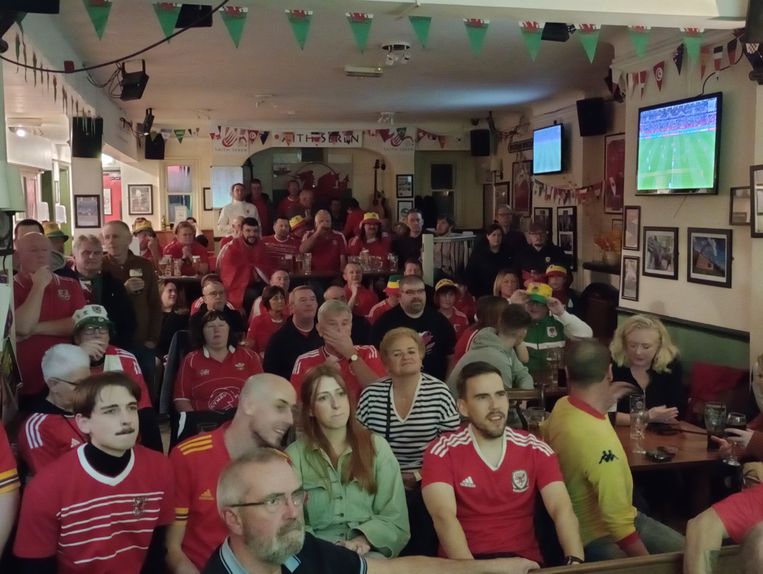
(445, 284)
(393, 285)
(91, 315)
(556, 271)
(53, 231)
(539, 292)
(297, 221)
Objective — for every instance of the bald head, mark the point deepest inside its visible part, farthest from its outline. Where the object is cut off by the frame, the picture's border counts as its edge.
(263, 387)
(33, 252)
(266, 408)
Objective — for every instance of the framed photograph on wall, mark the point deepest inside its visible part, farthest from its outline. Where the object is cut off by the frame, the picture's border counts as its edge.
(140, 199)
(710, 256)
(566, 233)
(617, 224)
(87, 211)
(661, 252)
(404, 186)
(544, 215)
(521, 177)
(207, 192)
(614, 173)
(502, 195)
(403, 207)
(632, 229)
(107, 201)
(756, 197)
(629, 278)
(739, 206)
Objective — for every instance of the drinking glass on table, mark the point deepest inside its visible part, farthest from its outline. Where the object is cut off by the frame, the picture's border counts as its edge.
(715, 422)
(535, 418)
(734, 421)
(554, 361)
(639, 420)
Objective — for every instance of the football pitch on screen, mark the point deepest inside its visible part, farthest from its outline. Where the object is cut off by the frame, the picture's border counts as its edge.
(547, 156)
(681, 161)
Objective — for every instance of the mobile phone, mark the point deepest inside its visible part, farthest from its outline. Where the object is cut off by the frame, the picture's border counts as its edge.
(658, 456)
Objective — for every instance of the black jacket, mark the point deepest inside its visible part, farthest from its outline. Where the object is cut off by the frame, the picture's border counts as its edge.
(286, 345)
(482, 268)
(531, 259)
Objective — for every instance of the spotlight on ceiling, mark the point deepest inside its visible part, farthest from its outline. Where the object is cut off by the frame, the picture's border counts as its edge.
(133, 83)
(19, 131)
(144, 128)
(396, 53)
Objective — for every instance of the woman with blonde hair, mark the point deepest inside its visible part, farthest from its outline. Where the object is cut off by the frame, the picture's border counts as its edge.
(506, 282)
(355, 492)
(644, 356)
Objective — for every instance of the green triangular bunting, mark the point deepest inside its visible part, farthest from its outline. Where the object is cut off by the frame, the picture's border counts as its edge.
(531, 34)
(640, 38)
(693, 42)
(421, 26)
(588, 34)
(234, 18)
(300, 25)
(167, 13)
(98, 10)
(360, 22)
(476, 29)
(179, 134)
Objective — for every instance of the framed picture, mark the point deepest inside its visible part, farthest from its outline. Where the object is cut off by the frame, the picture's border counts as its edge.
(614, 173)
(756, 198)
(739, 206)
(87, 211)
(140, 199)
(207, 191)
(404, 186)
(502, 194)
(566, 233)
(521, 177)
(661, 252)
(632, 231)
(544, 216)
(629, 278)
(403, 207)
(709, 256)
(107, 201)
(617, 224)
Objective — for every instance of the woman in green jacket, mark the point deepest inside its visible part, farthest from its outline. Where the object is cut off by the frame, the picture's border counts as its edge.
(355, 493)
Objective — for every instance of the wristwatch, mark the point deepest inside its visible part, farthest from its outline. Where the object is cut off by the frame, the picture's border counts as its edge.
(354, 357)
(570, 560)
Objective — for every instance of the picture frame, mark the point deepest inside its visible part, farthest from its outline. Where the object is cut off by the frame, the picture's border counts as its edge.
(502, 194)
(739, 206)
(404, 186)
(629, 278)
(521, 178)
(207, 195)
(545, 216)
(403, 207)
(617, 223)
(140, 199)
(614, 173)
(107, 201)
(709, 256)
(660, 252)
(756, 201)
(567, 233)
(632, 228)
(87, 211)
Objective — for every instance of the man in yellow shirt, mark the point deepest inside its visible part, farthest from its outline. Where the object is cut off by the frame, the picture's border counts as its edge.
(595, 465)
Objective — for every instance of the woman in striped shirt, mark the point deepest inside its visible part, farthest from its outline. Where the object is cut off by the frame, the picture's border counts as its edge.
(409, 409)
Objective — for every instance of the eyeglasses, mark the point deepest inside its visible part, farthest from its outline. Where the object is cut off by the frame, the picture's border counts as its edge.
(277, 502)
(95, 330)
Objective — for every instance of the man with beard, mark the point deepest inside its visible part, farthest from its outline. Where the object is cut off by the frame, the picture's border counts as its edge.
(480, 483)
(263, 417)
(261, 502)
(240, 264)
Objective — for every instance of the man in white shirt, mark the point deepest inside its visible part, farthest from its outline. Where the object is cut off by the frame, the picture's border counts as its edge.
(237, 207)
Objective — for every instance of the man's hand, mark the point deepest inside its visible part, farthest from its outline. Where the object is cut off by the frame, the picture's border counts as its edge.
(663, 414)
(358, 544)
(187, 252)
(42, 277)
(94, 349)
(617, 390)
(555, 306)
(134, 285)
(740, 437)
(342, 344)
(353, 289)
(519, 297)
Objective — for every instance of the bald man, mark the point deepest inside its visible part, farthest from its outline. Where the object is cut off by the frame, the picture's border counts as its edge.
(44, 305)
(263, 417)
(328, 247)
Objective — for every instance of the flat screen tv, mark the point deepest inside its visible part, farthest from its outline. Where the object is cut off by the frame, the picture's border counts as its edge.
(548, 145)
(679, 147)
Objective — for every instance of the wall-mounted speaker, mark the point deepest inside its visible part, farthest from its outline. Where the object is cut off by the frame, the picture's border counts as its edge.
(87, 137)
(480, 142)
(753, 33)
(592, 117)
(154, 146)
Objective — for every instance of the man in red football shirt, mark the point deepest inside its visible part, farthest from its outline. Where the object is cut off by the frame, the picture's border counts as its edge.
(185, 247)
(9, 489)
(263, 417)
(359, 297)
(328, 247)
(235, 231)
(291, 201)
(480, 483)
(262, 204)
(281, 246)
(354, 217)
(44, 305)
(359, 365)
(101, 484)
(240, 265)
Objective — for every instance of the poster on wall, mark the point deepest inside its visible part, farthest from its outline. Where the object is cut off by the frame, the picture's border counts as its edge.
(661, 252)
(87, 211)
(709, 256)
(614, 173)
(521, 176)
(140, 199)
(107, 201)
(566, 232)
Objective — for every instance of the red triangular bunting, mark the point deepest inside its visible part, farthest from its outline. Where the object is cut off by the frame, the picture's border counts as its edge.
(659, 73)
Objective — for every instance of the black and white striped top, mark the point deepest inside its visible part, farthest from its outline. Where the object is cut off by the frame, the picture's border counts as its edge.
(433, 413)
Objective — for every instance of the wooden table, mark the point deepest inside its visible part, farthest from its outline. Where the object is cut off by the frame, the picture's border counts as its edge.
(691, 443)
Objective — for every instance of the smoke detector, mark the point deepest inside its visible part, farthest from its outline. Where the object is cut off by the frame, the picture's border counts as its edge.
(396, 53)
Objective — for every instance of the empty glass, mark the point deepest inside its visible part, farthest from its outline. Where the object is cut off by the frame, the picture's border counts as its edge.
(715, 422)
(535, 418)
(554, 361)
(639, 420)
(734, 421)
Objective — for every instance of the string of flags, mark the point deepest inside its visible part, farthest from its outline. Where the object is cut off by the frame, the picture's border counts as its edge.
(567, 194)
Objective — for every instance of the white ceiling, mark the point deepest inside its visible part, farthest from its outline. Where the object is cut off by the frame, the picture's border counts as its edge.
(200, 75)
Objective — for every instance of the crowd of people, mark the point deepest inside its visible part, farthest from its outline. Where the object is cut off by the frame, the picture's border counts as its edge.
(328, 426)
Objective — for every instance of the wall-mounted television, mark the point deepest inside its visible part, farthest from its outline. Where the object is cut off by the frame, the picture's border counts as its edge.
(548, 148)
(679, 147)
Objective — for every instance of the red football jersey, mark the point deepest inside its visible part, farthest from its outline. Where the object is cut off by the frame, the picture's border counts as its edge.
(494, 505)
(311, 359)
(364, 301)
(198, 462)
(92, 522)
(459, 321)
(214, 386)
(175, 249)
(261, 328)
(276, 250)
(9, 474)
(379, 248)
(327, 251)
(263, 212)
(287, 205)
(378, 310)
(464, 342)
(44, 438)
(467, 304)
(117, 359)
(237, 265)
(61, 298)
(352, 223)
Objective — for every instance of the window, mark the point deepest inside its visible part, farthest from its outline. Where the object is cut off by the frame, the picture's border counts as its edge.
(179, 192)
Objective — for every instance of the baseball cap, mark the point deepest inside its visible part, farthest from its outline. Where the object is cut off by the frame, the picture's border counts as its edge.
(91, 315)
(297, 221)
(445, 284)
(556, 271)
(539, 292)
(370, 217)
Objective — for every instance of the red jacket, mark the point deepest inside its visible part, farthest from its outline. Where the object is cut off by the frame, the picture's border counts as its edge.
(237, 265)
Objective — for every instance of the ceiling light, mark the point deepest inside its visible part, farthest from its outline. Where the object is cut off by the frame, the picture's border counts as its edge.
(106, 159)
(397, 52)
(21, 132)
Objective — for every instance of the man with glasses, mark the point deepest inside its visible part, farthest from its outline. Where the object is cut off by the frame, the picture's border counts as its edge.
(540, 252)
(263, 417)
(50, 430)
(434, 329)
(513, 239)
(261, 503)
(214, 297)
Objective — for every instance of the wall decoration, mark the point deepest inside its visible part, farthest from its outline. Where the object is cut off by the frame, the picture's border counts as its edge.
(107, 201)
(544, 216)
(87, 211)
(328, 180)
(521, 177)
(403, 207)
(661, 252)
(566, 233)
(709, 256)
(632, 231)
(629, 278)
(208, 205)
(404, 186)
(614, 172)
(739, 206)
(140, 199)
(756, 197)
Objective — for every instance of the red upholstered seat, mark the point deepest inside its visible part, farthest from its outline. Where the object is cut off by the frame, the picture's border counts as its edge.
(712, 382)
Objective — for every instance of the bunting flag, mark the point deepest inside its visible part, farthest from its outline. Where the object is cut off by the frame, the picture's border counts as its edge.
(167, 13)
(632, 82)
(531, 34)
(476, 29)
(420, 25)
(234, 18)
(692, 41)
(588, 34)
(18, 50)
(34, 67)
(642, 76)
(704, 60)
(731, 50)
(718, 57)
(98, 10)
(300, 25)
(360, 23)
(264, 137)
(659, 72)
(55, 89)
(179, 134)
(678, 58)
(640, 38)
(23, 53)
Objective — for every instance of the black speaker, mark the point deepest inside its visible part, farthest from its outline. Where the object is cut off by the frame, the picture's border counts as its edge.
(592, 117)
(480, 142)
(555, 32)
(87, 137)
(154, 147)
(194, 16)
(753, 33)
(133, 84)
(33, 6)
